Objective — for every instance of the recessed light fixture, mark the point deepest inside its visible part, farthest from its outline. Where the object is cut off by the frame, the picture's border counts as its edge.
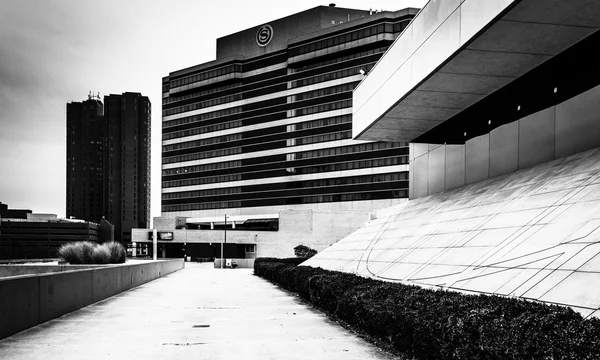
(465, 133)
(489, 122)
(518, 107)
(555, 90)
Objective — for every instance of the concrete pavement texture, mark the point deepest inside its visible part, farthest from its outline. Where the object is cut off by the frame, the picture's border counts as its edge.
(196, 313)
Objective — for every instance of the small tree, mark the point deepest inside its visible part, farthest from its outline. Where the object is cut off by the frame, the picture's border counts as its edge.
(303, 251)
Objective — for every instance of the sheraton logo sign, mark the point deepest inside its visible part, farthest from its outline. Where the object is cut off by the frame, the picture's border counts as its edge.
(264, 35)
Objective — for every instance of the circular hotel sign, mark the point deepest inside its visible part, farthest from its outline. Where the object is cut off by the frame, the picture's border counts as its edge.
(264, 35)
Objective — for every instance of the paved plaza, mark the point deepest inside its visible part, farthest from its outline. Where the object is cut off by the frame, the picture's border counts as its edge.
(195, 313)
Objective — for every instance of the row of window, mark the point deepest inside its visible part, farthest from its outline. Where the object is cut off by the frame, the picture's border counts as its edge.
(350, 180)
(206, 167)
(306, 184)
(202, 104)
(202, 142)
(340, 59)
(172, 99)
(206, 75)
(341, 135)
(203, 129)
(349, 149)
(353, 180)
(294, 84)
(300, 155)
(202, 117)
(341, 39)
(291, 142)
(325, 107)
(360, 164)
(235, 97)
(302, 200)
(201, 193)
(203, 155)
(202, 181)
(349, 197)
(325, 91)
(335, 120)
(351, 165)
(237, 123)
(332, 75)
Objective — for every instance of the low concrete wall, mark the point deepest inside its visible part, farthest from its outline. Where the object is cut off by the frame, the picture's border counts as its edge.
(242, 263)
(29, 300)
(18, 270)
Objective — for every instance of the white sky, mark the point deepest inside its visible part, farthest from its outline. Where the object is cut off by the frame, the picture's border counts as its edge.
(55, 51)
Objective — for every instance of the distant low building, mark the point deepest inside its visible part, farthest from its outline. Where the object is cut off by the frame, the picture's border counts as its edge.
(26, 235)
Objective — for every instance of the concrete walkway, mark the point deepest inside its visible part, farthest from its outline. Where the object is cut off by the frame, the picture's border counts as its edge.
(196, 313)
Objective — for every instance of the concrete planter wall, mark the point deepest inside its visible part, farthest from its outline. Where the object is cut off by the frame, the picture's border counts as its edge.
(29, 300)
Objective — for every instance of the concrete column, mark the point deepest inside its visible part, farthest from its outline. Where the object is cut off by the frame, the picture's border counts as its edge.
(154, 244)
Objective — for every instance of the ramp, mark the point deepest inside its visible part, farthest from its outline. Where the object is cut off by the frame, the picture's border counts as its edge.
(533, 233)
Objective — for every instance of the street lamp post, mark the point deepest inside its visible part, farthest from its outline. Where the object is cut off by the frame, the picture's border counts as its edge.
(224, 241)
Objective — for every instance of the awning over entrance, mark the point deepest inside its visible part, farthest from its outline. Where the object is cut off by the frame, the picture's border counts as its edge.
(237, 219)
(455, 53)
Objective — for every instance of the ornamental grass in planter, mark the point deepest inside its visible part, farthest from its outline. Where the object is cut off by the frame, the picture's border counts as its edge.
(87, 252)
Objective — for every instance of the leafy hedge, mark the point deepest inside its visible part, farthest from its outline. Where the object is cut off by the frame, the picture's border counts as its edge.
(438, 324)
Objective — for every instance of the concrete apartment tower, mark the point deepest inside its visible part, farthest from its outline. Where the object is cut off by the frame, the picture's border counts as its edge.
(108, 161)
(86, 144)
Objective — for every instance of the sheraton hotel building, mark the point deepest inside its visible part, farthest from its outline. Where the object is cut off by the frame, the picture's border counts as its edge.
(259, 141)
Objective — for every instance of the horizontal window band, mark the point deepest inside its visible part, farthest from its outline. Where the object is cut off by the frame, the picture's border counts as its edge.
(282, 165)
(259, 115)
(289, 178)
(351, 79)
(278, 84)
(395, 185)
(339, 168)
(205, 132)
(365, 196)
(265, 139)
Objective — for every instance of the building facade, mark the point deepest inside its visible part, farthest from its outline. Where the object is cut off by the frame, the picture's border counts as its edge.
(86, 146)
(127, 199)
(501, 104)
(266, 127)
(108, 161)
(28, 235)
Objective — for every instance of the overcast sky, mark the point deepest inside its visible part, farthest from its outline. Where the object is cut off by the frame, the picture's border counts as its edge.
(55, 51)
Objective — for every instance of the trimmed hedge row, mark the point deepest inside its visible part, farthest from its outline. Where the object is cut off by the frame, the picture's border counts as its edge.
(438, 324)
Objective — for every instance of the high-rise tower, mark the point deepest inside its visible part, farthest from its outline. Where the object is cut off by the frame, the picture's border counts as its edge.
(86, 143)
(128, 162)
(108, 161)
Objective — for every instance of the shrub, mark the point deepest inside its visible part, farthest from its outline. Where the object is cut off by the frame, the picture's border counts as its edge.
(117, 251)
(437, 324)
(71, 253)
(101, 254)
(81, 252)
(303, 251)
(86, 252)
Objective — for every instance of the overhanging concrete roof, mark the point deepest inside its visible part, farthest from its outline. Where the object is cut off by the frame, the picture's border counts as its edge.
(456, 52)
(230, 218)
